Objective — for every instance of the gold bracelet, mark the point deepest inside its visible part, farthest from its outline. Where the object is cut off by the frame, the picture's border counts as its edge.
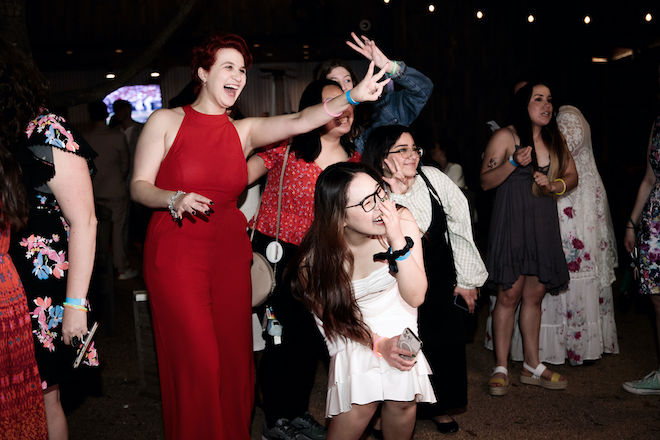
(563, 183)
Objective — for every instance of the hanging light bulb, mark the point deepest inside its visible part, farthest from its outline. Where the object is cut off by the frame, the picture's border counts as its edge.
(480, 15)
(431, 7)
(648, 17)
(587, 19)
(531, 18)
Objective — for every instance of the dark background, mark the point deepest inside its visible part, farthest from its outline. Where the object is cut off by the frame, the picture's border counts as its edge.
(473, 63)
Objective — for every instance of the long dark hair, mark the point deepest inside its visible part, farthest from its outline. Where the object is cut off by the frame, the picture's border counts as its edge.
(324, 262)
(23, 91)
(307, 146)
(379, 142)
(550, 133)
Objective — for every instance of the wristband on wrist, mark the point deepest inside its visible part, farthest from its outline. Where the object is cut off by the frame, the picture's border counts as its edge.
(170, 206)
(349, 99)
(327, 112)
(513, 162)
(375, 347)
(74, 306)
(76, 301)
(632, 224)
(393, 69)
(563, 183)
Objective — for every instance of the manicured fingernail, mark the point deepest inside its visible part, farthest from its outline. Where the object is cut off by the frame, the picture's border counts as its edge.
(211, 203)
(207, 212)
(194, 212)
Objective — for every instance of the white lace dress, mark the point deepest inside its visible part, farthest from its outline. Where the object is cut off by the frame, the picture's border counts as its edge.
(578, 324)
(356, 374)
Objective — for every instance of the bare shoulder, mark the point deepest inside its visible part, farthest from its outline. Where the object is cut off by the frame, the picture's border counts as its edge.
(165, 116)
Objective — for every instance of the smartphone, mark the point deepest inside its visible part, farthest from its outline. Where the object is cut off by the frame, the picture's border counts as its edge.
(410, 342)
(87, 339)
(459, 302)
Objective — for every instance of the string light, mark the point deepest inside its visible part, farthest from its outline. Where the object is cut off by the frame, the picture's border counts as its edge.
(480, 15)
(110, 75)
(431, 7)
(530, 18)
(587, 19)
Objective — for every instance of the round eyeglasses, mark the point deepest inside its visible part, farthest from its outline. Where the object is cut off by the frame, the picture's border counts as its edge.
(408, 152)
(369, 202)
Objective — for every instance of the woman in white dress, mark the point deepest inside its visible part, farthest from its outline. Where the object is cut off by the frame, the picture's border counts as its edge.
(361, 272)
(578, 325)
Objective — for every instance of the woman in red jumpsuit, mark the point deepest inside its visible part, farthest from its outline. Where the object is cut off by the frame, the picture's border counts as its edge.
(190, 166)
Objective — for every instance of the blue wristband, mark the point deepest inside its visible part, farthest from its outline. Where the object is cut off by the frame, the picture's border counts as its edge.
(76, 301)
(348, 98)
(404, 256)
(512, 161)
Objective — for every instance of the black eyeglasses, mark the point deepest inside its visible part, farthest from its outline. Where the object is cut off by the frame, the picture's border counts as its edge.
(369, 202)
(408, 152)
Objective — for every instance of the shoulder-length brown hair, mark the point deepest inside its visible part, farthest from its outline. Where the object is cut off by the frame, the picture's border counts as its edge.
(324, 262)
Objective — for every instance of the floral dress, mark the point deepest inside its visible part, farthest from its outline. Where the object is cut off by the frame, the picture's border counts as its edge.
(648, 236)
(40, 249)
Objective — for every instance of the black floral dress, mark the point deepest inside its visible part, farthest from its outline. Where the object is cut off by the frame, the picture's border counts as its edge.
(40, 249)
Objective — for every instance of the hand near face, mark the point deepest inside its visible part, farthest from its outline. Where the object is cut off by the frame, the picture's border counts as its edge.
(394, 177)
(390, 217)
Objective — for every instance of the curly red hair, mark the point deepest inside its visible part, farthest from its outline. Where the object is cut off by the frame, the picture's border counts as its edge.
(204, 55)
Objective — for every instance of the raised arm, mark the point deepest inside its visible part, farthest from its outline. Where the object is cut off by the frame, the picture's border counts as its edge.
(496, 165)
(72, 187)
(256, 132)
(401, 106)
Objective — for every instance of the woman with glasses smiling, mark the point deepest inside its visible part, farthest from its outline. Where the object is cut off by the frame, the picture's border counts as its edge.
(454, 266)
(360, 270)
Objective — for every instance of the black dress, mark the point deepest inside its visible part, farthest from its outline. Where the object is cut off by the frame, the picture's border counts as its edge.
(40, 250)
(442, 325)
(524, 237)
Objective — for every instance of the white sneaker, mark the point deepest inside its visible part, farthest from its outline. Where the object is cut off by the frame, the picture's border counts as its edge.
(128, 274)
(648, 385)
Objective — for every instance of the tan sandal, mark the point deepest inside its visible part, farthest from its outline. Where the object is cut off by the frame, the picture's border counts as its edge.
(554, 383)
(496, 385)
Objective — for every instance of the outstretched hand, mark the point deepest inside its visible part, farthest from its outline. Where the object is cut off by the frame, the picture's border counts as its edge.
(371, 86)
(370, 51)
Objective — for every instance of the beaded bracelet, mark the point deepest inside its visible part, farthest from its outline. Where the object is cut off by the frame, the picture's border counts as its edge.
(563, 183)
(170, 206)
(375, 347)
(349, 99)
(325, 104)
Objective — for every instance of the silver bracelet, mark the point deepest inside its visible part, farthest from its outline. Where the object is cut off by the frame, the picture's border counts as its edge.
(173, 198)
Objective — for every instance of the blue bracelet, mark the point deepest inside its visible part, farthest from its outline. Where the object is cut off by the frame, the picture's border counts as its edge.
(512, 161)
(404, 256)
(348, 98)
(76, 301)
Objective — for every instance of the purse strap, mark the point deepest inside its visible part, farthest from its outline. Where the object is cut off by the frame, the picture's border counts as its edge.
(279, 199)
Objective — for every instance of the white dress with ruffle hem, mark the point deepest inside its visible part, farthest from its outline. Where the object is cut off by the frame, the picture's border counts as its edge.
(356, 375)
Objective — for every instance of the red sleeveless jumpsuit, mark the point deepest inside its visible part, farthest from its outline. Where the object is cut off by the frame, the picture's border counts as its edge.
(198, 279)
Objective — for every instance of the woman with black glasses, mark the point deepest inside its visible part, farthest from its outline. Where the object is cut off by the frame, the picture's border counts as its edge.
(454, 266)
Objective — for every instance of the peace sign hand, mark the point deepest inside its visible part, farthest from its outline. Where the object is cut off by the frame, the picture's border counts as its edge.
(369, 50)
(370, 88)
(396, 180)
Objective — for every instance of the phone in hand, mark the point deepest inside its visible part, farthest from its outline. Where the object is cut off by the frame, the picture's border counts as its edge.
(410, 342)
(84, 345)
(459, 302)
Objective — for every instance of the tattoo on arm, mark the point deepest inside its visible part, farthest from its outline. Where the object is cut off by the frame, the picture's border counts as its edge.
(492, 163)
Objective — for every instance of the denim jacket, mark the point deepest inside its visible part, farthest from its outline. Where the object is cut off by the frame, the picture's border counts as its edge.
(399, 106)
